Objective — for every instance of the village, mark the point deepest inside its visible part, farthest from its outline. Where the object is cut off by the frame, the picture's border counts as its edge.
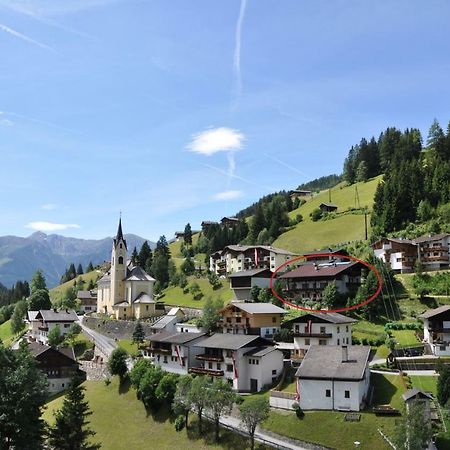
(309, 361)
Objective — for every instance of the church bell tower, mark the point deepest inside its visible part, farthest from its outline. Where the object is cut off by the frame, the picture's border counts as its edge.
(118, 266)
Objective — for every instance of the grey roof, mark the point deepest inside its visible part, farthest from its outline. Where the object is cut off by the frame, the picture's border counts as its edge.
(436, 237)
(329, 205)
(143, 298)
(260, 351)
(163, 321)
(435, 312)
(396, 240)
(412, 393)
(233, 341)
(32, 315)
(174, 338)
(37, 348)
(173, 311)
(331, 317)
(136, 273)
(325, 362)
(121, 304)
(84, 295)
(257, 308)
(50, 315)
(105, 278)
(243, 248)
(249, 273)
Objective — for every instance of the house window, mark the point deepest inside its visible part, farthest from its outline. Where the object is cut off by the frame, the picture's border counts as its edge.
(274, 372)
(307, 342)
(257, 362)
(228, 319)
(322, 330)
(165, 360)
(66, 325)
(229, 353)
(442, 347)
(322, 342)
(274, 319)
(347, 394)
(338, 342)
(210, 366)
(338, 329)
(229, 368)
(219, 366)
(328, 393)
(238, 320)
(346, 328)
(146, 307)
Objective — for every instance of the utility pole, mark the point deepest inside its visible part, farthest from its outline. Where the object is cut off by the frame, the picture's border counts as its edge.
(329, 195)
(365, 223)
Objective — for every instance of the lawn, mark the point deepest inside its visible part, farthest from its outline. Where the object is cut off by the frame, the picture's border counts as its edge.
(309, 235)
(58, 292)
(425, 383)
(129, 346)
(175, 246)
(329, 428)
(369, 330)
(405, 338)
(122, 423)
(6, 334)
(81, 344)
(174, 295)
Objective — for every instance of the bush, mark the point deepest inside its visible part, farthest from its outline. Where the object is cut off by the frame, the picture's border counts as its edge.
(179, 423)
(88, 355)
(316, 215)
(298, 411)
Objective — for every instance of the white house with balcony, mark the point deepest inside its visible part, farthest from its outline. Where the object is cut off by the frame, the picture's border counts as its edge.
(436, 330)
(43, 321)
(248, 362)
(334, 378)
(322, 329)
(399, 254)
(173, 352)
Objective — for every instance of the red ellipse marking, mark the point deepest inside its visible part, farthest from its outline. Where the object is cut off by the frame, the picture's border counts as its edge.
(348, 308)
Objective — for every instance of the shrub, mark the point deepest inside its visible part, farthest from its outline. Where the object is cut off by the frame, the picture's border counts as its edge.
(179, 423)
(87, 355)
(298, 411)
(316, 215)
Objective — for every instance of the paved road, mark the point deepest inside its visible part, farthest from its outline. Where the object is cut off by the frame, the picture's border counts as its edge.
(261, 436)
(105, 344)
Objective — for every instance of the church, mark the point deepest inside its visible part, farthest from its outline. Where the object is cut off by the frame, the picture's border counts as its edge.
(126, 290)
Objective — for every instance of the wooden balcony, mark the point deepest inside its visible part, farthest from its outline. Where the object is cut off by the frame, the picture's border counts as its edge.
(206, 357)
(313, 335)
(203, 371)
(162, 351)
(43, 328)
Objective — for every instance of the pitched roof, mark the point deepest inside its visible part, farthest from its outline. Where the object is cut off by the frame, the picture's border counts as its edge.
(143, 298)
(37, 348)
(328, 270)
(50, 315)
(396, 240)
(325, 362)
(329, 205)
(174, 338)
(436, 237)
(257, 308)
(250, 273)
(233, 341)
(435, 312)
(85, 295)
(243, 248)
(174, 311)
(162, 322)
(119, 235)
(260, 351)
(31, 315)
(331, 317)
(413, 393)
(136, 273)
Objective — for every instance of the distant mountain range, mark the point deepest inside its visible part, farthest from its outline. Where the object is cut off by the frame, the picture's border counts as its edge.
(21, 257)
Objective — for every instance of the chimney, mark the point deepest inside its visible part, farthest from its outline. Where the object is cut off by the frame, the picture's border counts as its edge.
(344, 353)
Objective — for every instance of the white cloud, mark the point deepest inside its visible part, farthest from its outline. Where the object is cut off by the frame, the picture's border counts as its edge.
(6, 122)
(216, 140)
(228, 195)
(49, 206)
(49, 226)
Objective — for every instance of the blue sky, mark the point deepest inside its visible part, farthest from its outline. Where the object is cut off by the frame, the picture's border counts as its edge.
(177, 111)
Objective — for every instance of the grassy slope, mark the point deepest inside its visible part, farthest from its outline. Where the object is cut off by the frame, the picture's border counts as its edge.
(309, 235)
(329, 428)
(174, 295)
(58, 292)
(122, 423)
(6, 334)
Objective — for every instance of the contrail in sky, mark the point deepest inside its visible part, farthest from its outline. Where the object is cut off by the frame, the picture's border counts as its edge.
(237, 50)
(25, 38)
(287, 165)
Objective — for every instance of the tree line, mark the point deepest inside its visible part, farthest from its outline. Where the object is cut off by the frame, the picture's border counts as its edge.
(416, 183)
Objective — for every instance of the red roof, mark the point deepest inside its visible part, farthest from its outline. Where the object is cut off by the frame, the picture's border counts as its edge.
(310, 270)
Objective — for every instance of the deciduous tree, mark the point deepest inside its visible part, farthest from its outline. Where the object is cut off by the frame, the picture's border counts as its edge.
(253, 412)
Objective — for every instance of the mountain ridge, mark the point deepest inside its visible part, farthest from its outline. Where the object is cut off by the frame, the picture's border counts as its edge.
(20, 257)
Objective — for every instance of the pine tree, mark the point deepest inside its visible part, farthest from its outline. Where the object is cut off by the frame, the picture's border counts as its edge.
(188, 234)
(135, 257)
(258, 223)
(80, 269)
(144, 254)
(90, 267)
(138, 333)
(70, 431)
(38, 281)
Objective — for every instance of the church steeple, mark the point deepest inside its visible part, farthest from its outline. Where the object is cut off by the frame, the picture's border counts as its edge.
(119, 235)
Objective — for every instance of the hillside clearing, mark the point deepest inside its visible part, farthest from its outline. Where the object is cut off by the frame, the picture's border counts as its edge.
(58, 292)
(122, 423)
(6, 335)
